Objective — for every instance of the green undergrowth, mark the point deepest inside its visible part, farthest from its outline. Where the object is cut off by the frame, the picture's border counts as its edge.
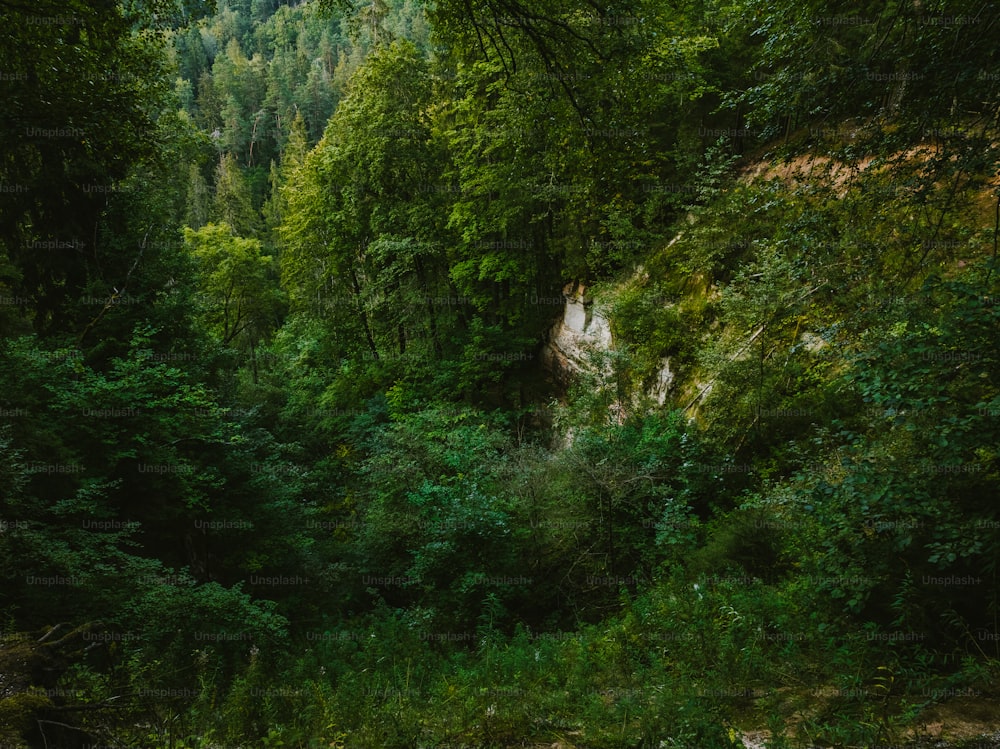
(792, 551)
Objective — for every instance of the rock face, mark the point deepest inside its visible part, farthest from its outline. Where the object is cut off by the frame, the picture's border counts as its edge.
(664, 382)
(583, 329)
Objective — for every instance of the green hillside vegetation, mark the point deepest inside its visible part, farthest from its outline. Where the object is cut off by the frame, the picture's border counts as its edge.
(281, 466)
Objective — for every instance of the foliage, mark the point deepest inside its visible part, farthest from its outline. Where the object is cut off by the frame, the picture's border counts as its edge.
(279, 461)
(239, 293)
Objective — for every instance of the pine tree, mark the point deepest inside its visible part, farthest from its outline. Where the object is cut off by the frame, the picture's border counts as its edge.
(198, 199)
(233, 204)
(292, 158)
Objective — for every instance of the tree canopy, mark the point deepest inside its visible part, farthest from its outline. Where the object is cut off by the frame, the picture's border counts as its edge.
(383, 373)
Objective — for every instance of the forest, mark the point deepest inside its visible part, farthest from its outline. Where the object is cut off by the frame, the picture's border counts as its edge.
(577, 374)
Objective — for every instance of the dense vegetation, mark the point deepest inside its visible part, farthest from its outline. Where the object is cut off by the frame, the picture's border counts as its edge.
(280, 464)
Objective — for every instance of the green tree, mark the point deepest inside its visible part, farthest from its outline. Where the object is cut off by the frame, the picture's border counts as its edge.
(363, 224)
(822, 61)
(198, 199)
(240, 300)
(292, 157)
(82, 92)
(232, 203)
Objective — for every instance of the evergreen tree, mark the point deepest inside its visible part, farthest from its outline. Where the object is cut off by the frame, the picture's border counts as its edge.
(232, 203)
(198, 199)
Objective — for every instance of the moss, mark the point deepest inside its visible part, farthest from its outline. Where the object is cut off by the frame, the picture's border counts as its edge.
(17, 714)
(21, 660)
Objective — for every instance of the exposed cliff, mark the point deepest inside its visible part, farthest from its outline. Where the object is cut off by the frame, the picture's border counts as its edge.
(583, 330)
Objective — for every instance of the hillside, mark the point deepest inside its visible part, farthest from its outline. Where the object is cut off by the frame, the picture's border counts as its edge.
(494, 374)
